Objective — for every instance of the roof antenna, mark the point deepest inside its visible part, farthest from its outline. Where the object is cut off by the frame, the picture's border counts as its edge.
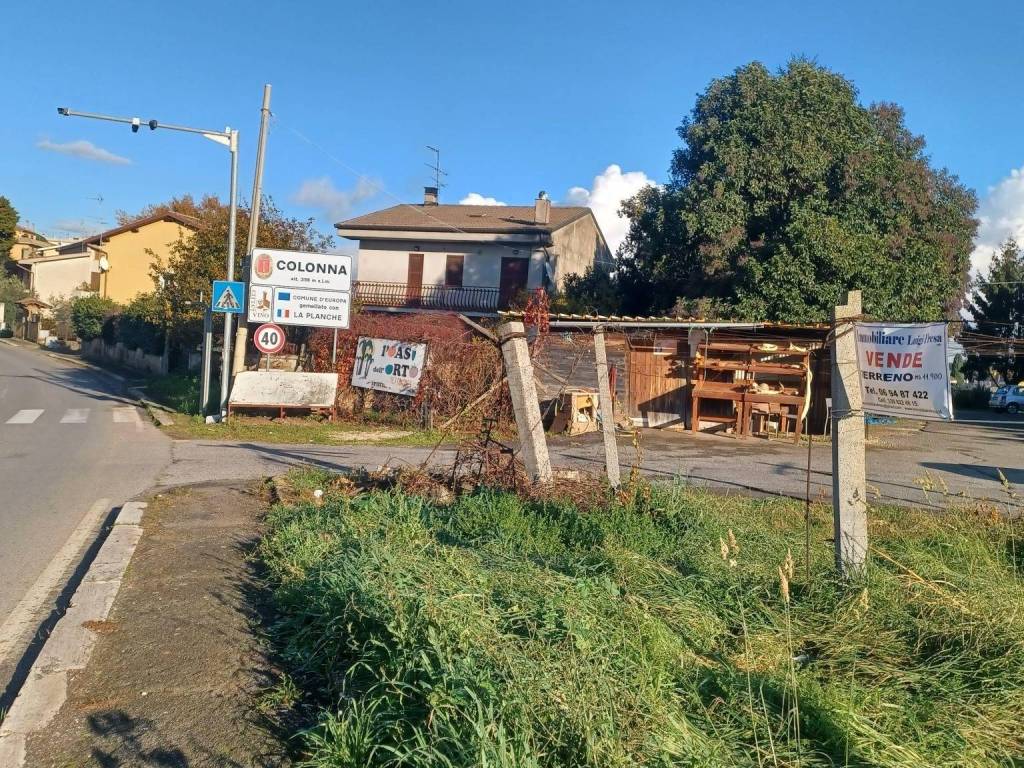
(436, 168)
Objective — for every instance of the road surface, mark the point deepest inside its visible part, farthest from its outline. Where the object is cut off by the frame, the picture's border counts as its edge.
(71, 449)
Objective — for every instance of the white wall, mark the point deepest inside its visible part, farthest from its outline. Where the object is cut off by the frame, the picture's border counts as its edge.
(61, 277)
(388, 261)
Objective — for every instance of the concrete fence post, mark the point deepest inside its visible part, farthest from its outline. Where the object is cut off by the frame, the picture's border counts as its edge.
(849, 502)
(519, 369)
(611, 449)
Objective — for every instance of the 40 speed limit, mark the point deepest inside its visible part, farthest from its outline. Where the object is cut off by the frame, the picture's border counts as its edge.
(269, 339)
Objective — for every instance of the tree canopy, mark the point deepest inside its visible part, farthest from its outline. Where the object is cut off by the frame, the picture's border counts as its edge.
(997, 308)
(199, 258)
(785, 194)
(8, 225)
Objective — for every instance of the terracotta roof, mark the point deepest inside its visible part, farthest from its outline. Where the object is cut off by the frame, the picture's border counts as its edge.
(484, 219)
(186, 221)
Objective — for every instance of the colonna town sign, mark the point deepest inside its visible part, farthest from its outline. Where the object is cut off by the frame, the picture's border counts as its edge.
(296, 288)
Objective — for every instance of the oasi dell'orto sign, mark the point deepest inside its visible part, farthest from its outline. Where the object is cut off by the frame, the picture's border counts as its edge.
(388, 365)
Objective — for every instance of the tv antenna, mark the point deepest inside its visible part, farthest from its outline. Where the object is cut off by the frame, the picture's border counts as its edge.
(439, 173)
(98, 198)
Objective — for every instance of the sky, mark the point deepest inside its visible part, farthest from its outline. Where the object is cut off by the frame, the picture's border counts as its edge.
(580, 99)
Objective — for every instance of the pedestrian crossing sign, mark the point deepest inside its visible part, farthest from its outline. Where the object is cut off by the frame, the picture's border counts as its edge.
(229, 296)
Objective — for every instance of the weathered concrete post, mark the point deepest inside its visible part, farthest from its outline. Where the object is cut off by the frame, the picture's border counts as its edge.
(849, 503)
(519, 369)
(611, 450)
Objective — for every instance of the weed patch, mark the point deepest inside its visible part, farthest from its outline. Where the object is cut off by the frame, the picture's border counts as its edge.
(669, 627)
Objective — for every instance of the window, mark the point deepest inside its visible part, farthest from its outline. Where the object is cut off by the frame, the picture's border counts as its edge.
(453, 271)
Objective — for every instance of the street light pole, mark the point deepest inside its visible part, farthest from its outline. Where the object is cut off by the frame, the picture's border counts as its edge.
(225, 361)
(228, 138)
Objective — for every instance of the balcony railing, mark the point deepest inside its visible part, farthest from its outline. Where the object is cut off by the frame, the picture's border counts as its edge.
(404, 296)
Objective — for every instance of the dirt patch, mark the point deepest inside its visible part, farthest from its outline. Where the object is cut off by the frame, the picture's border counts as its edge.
(178, 668)
(100, 627)
(370, 436)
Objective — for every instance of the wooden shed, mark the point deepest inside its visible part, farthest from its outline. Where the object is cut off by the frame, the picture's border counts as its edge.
(729, 375)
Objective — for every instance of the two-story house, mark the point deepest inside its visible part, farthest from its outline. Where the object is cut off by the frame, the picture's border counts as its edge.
(469, 258)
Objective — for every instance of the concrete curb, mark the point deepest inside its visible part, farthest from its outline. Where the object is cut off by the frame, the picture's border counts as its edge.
(70, 645)
(161, 414)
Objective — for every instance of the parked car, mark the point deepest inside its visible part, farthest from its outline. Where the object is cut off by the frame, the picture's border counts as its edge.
(1009, 399)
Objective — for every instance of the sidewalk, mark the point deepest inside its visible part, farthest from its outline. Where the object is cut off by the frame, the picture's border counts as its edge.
(177, 668)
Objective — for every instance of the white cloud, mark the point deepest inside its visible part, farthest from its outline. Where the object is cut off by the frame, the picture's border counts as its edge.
(605, 196)
(1000, 215)
(83, 149)
(74, 227)
(475, 198)
(336, 204)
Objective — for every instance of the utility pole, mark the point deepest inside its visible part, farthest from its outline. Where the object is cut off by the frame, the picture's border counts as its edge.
(605, 400)
(849, 499)
(519, 369)
(242, 334)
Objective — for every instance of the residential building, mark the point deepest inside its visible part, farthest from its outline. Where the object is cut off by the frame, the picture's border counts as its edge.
(120, 260)
(55, 276)
(469, 258)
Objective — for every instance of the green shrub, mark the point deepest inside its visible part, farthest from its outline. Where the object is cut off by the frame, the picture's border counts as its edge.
(88, 314)
(139, 325)
(503, 632)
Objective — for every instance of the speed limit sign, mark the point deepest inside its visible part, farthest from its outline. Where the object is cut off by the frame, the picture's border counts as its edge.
(269, 339)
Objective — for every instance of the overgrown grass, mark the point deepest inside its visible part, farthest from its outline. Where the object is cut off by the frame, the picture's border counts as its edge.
(498, 632)
(176, 390)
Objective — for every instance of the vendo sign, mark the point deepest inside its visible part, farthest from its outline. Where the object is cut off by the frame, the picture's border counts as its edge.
(904, 370)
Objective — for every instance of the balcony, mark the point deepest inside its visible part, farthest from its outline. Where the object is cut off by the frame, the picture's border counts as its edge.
(438, 297)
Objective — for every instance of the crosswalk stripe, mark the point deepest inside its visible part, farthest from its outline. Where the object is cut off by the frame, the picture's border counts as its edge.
(75, 416)
(25, 416)
(126, 414)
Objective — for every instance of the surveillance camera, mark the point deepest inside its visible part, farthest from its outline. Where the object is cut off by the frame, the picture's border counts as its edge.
(135, 124)
(62, 110)
(153, 125)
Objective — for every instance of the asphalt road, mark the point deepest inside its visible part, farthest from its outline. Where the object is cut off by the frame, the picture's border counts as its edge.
(71, 449)
(928, 465)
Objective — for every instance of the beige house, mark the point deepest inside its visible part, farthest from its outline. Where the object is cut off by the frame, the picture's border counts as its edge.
(470, 258)
(119, 261)
(62, 275)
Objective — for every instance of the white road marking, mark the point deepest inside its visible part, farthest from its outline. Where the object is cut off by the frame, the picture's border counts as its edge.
(75, 416)
(126, 414)
(26, 614)
(25, 416)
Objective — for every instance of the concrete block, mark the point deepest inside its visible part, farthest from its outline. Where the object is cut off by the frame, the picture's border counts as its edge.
(12, 749)
(131, 513)
(40, 699)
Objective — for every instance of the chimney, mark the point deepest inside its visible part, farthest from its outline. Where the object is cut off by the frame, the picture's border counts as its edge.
(430, 195)
(542, 208)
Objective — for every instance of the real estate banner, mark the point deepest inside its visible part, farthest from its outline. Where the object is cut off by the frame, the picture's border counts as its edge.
(904, 370)
(388, 365)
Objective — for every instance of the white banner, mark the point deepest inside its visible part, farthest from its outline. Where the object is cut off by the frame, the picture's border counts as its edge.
(294, 269)
(388, 365)
(904, 370)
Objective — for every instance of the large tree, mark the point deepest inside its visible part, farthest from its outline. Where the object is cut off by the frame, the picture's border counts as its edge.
(200, 257)
(786, 193)
(997, 308)
(8, 225)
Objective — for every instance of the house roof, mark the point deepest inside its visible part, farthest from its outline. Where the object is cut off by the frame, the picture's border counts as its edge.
(186, 221)
(482, 219)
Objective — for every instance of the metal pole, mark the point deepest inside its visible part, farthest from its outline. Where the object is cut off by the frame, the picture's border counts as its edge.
(242, 334)
(204, 386)
(225, 370)
(334, 350)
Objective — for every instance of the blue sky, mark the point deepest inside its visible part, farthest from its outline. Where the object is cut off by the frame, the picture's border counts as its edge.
(519, 97)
